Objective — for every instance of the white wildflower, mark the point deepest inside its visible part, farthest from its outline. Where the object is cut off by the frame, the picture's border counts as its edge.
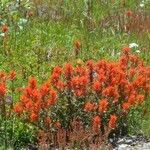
(113, 53)
(133, 45)
(138, 51)
(2, 34)
(21, 27)
(141, 5)
(118, 53)
(23, 21)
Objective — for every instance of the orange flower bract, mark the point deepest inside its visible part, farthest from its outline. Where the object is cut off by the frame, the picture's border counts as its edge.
(2, 76)
(96, 123)
(125, 106)
(57, 125)
(18, 108)
(103, 104)
(2, 89)
(112, 121)
(140, 98)
(97, 86)
(129, 13)
(33, 117)
(77, 44)
(68, 70)
(47, 120)
(12, 75)
(5, 28)
(30, 13)
(44, 89)
(126, 50)
(32, 83)
(89, 107)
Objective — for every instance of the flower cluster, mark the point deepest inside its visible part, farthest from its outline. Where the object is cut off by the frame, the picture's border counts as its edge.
(4, 77)
(96, 93)
(35, 102)
(108, 88)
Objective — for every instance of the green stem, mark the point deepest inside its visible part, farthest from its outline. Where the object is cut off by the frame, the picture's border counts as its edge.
(5, 123)
(12, 105)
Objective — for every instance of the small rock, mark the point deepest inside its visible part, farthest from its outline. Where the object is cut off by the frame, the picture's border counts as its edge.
(122, 147)
(146, 146)
(128, 141)
(138, 142)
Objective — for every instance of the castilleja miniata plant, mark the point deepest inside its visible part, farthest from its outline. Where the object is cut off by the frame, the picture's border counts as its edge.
(85, 100)
(7, 92)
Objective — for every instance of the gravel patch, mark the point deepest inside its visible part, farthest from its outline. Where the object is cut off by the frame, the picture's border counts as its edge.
(138, 142)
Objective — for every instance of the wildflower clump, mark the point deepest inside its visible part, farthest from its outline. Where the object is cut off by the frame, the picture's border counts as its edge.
(36, 102)
(97, 95)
